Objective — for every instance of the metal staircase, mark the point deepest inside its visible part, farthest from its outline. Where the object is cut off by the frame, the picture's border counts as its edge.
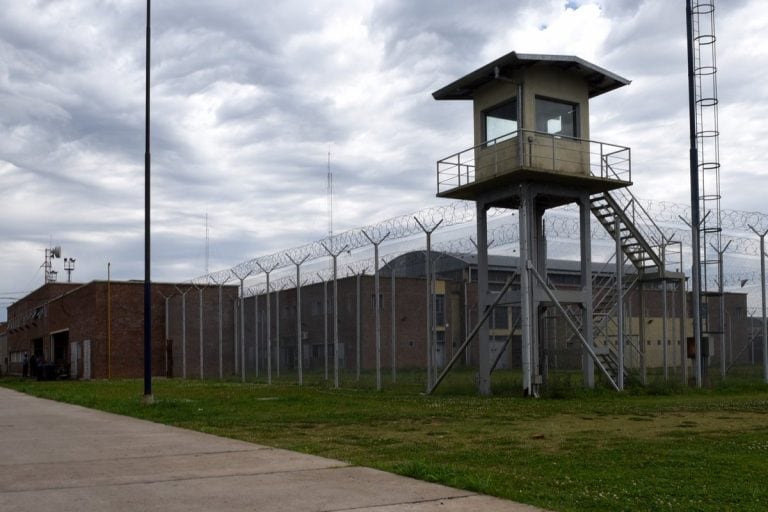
(640, 245)
(642, 242)
(604, 324)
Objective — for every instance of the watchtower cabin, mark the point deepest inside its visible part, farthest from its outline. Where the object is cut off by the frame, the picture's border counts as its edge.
(533, 152)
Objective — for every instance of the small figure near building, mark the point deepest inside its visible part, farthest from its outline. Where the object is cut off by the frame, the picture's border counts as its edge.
(33, 364)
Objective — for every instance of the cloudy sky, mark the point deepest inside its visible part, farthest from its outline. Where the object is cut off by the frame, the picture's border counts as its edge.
(249, 97)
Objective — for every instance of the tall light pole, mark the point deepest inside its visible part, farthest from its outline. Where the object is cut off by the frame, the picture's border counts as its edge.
(148, 398)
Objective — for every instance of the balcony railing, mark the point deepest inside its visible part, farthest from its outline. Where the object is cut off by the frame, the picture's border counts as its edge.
(526, 149)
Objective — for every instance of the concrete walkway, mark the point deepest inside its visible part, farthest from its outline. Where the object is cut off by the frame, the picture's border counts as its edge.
(66, 458)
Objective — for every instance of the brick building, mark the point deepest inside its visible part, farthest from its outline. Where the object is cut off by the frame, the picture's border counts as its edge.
(456, 313)
(95, 330)
(4, 359)
(91, 330)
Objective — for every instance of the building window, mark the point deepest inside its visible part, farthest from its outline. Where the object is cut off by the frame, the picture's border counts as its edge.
(557, 117)
(500, 318)
(501, 122)
(440, 309)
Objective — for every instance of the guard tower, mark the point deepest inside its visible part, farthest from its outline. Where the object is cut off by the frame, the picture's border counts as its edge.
(533, 152)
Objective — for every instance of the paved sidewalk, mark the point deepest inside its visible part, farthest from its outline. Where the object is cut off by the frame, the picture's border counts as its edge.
(66, 458)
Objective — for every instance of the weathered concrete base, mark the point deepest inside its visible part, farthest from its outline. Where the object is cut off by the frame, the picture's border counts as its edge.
(68, 458)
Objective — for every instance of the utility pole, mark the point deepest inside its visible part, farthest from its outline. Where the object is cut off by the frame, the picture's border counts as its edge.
(148, 398)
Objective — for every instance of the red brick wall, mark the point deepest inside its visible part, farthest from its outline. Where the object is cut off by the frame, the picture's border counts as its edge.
(82, 311)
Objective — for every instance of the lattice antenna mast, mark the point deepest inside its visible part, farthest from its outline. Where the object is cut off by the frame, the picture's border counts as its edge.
(708, 140)
(329, 198)
(706, 220)
(207, 244)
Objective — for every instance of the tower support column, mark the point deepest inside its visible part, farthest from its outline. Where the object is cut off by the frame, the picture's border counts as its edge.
(585, 230)
(527, 306)
(484, 356)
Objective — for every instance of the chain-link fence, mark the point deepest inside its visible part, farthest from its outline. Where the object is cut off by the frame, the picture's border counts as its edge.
(311, 311)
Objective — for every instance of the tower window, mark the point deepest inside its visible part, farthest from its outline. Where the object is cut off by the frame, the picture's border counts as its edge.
(501, 122)
(556, 117)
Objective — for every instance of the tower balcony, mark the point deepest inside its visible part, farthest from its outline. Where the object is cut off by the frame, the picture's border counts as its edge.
(527, 155)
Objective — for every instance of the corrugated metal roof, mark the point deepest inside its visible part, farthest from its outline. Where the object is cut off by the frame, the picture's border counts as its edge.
(600, 80)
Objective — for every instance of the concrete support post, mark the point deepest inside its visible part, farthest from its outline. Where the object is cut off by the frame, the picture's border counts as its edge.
(619, 304)
(299, 344)
(299, 341)
(377, 302)
(393, 328)
(585, 237)
(358, 320)
(183, 331)
(277, 332)
(235, 312)
(325, 327)
(256, 334)
(241, 338)
(484, 355)
(664, 335)
(202, 345)
(721, 323)
(221, 332)
(430, 297)
(683, 337)
(763, 304)
(335, 257)
(467, 353)
(165, 341)
(268, 337)
(221, 324)
(641, 333)
(525, 215)
(762, 294)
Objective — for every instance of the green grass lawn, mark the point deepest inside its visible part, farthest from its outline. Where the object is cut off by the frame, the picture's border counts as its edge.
(656, 448)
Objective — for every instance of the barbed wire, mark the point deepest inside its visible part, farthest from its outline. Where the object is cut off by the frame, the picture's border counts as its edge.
(404, 230)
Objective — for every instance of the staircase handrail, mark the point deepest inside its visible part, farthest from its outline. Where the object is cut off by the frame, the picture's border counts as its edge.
(639, 212)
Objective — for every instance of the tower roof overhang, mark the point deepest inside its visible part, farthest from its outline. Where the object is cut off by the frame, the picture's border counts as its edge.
(598, 79)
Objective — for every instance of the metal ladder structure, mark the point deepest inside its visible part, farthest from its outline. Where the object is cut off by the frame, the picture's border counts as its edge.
(707, 135)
